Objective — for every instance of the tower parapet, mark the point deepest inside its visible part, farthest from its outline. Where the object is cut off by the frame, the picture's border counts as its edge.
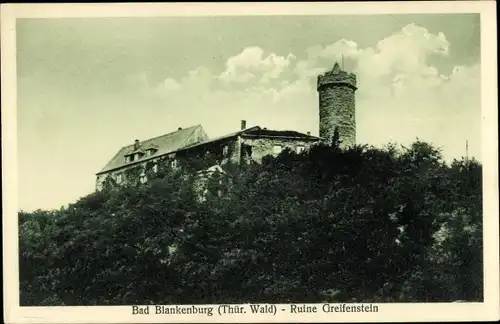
(337, 77)
(337, 105)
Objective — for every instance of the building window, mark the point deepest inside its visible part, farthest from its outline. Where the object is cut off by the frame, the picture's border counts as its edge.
(119, 178)
(277, 149)
(173, 164)
(300, 149)
(246, 152)
(143, 178)
(100, 183)
(150, 151)
(225, 150)
(155, 168)
(131, 158)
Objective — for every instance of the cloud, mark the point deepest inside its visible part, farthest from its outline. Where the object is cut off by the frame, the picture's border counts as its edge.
(335, 51)
(199, 78)
(401, 95)
(171, 85)
(300, 87)
(404, 53)
(401, 57)
(250, 64)
(308, 69)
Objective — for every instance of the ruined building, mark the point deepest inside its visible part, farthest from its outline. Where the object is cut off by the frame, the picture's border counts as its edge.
(336, 90)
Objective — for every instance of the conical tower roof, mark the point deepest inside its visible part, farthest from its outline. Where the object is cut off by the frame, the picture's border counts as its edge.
(336, 68)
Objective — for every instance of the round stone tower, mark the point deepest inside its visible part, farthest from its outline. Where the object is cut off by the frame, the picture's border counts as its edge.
(337, 109)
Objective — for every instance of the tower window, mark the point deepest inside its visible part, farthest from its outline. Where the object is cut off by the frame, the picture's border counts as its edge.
(277, 149)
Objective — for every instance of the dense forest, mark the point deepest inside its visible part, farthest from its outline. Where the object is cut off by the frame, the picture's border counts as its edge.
(339, 225)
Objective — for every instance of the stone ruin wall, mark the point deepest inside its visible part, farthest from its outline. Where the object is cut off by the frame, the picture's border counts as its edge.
(261, 147)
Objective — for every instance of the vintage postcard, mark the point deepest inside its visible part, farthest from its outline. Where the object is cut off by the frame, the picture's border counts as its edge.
(250, 162)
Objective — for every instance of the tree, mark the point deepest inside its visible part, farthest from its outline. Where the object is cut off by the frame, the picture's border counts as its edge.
(336, 141)
(338, 225)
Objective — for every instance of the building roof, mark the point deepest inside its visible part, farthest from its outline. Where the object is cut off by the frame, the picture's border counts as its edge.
(279, 133)
(164, 144)
(220, 138)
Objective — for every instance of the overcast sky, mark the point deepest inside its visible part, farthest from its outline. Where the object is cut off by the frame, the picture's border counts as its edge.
(87, 87)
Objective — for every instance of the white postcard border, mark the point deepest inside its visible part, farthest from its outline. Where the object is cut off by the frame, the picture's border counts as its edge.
(488, 310)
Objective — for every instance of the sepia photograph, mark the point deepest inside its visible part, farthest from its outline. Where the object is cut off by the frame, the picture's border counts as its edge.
(214, 165)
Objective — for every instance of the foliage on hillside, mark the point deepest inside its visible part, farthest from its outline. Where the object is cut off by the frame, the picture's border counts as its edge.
(361, 224)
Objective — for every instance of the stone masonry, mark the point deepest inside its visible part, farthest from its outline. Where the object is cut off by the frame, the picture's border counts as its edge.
(337, 107)
(264, 146)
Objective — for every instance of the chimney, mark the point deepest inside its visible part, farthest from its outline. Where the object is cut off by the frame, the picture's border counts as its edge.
(180, 128)
(308, 133)
(243, 124)
(136, 144)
